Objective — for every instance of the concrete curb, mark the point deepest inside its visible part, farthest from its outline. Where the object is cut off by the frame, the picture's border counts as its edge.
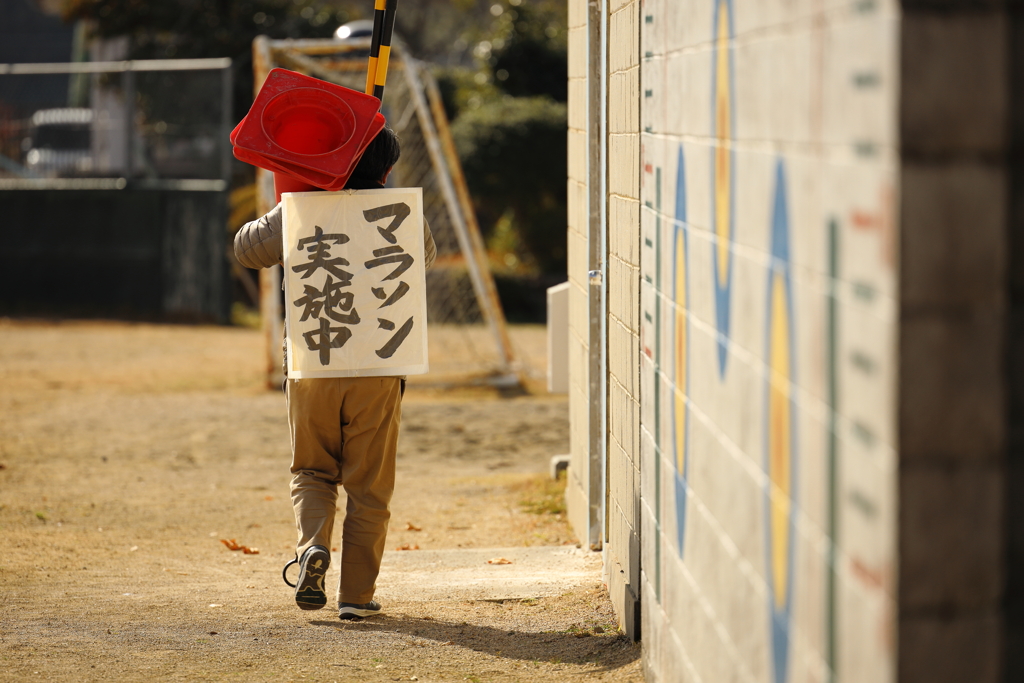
(464, 574)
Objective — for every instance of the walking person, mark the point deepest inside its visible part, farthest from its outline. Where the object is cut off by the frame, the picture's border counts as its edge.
(344, 432)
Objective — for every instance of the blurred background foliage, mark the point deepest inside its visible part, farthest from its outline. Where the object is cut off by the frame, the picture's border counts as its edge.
(510, 150)
(501, 68)
(186, 29)
(508, 113)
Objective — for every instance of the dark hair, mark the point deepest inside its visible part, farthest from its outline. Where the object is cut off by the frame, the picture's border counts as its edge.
(381, 154)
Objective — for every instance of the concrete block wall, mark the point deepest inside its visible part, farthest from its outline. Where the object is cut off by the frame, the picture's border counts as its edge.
(1013, 640)
(769, 323)
(622, 550)
(814, 333)
(954, 128)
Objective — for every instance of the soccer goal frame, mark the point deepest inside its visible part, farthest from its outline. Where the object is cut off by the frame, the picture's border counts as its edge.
(338, 61)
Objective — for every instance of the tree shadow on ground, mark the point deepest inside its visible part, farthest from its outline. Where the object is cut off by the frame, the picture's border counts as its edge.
(608, 650)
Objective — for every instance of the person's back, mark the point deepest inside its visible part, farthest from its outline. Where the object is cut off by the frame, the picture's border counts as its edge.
(344, 431)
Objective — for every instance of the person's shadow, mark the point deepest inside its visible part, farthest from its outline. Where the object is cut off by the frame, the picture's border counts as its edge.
(610, 650)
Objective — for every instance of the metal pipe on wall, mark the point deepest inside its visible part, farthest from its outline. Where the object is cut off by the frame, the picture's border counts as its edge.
(596, 308)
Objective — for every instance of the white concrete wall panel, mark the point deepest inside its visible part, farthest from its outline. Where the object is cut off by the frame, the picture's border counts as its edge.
(767, 323)
(577, 487)
(622, 551)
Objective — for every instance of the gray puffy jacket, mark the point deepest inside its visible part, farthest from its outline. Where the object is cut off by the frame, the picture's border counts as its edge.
(259, 244)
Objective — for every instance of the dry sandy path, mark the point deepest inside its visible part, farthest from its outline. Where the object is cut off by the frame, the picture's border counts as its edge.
(128, 451)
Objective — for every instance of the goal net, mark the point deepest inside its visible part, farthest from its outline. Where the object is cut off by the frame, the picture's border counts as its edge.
(468, 328)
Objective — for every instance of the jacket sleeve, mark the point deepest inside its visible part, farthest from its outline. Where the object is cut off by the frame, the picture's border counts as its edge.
(258, 243)
(429, 248)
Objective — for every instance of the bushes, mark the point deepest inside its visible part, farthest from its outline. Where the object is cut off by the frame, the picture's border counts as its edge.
(509, 123)
(513, 151)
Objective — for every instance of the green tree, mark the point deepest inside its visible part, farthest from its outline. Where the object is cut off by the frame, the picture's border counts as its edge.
(206, 28)
(510, 129)
(529, 49)
(504, 86)
(513, 152)
(181, 29)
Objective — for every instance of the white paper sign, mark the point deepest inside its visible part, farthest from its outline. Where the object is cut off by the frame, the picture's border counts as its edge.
(355, 283)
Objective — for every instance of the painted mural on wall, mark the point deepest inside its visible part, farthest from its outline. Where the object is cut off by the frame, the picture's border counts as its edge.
(670, 376)
(681, 334)
(769, 367)
(723, 174)
(780, 438)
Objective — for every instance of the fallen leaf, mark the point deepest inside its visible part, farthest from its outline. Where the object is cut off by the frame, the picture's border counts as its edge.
(406, 546)
(235, 545)
(412, 527)
(598, 629)
(213, 633)
(499, 560)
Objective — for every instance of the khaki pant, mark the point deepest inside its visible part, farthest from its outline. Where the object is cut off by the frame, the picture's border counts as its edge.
(345, 431)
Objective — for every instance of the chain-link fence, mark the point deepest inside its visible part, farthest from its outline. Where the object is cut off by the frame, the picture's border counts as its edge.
(147, 121)
(451, 298)
(463, 308)
(454, 300)
(113, 186)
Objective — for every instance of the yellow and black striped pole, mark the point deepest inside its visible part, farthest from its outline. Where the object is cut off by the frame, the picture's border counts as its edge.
(378, 27)
(380, 46)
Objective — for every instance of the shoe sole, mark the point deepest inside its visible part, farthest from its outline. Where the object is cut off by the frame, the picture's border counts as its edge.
(347, 613)
(309, 589)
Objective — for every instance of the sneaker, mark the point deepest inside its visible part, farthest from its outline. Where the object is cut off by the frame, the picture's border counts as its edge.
(350, 610)
(309, 589)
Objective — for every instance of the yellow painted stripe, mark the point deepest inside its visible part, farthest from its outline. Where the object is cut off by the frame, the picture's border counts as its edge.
(380, 4)
(780, 440)
(382, 65)
(371, 74)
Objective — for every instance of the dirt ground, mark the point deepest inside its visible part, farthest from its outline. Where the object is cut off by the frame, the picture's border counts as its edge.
(128, 451)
